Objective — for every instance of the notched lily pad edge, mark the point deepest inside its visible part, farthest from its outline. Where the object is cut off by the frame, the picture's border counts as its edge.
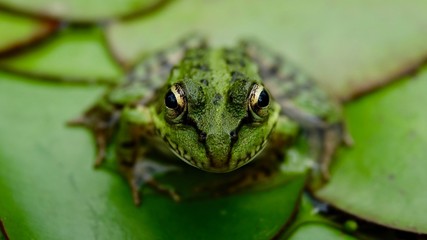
(36, 76)
(69, 80)
(75, 21)
(407, 69)
(337, 218)
(345, 211)
(48, 29)
(114, 52)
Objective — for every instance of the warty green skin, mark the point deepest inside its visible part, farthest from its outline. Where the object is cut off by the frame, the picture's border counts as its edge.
(218, 126)
(217, 107)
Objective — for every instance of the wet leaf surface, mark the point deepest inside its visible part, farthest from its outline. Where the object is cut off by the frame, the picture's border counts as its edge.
(18, 32)
(382, 177)
(73, 55)
(49, 187)
(351, 48)
(80, 10)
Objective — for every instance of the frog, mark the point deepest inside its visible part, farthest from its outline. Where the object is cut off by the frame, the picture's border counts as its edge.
(215, 108)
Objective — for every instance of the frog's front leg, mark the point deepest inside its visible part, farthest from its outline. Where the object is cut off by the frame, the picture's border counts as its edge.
(323, 137)
(323, 144)
(135, 131)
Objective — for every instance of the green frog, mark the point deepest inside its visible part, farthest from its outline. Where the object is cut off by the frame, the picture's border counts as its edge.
(215, 109)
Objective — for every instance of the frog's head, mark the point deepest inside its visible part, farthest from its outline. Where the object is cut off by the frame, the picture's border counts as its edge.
(214, 115)
(216, 128)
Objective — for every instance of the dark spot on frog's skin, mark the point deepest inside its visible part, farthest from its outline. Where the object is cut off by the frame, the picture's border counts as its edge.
(162, 59)
(203, 67)
(290, 77)
(204, 82)
(273, 70)
(217, 98)
(242, 63)
(298, 89)
(165, 63)
(236, 76)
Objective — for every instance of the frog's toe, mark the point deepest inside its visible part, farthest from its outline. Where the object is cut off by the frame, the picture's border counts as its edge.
(165, 190)
(348, 139)
(80, 121)
(135, 193)
(324, 169)
(143, 173)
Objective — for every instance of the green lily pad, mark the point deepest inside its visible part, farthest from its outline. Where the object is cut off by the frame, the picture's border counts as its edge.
(382, 177)
(79, 10)
(351, 47)
(73, 55)
(50, 190)
(319, 232)
(18, 32)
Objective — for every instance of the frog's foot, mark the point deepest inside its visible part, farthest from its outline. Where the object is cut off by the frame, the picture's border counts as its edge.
(144, 173)
(324, 142)
(101, 147)
(101, 127)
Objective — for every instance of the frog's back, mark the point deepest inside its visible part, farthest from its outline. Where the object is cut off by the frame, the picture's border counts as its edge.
(300, 97)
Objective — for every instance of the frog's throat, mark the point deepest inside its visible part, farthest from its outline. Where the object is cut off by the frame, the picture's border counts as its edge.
(249, 156)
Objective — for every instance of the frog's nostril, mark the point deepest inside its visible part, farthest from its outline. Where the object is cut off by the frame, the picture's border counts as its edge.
(202, 137)
(233, 135)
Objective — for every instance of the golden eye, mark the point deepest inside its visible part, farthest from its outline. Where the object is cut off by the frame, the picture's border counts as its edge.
(259, 100)
(175, 101)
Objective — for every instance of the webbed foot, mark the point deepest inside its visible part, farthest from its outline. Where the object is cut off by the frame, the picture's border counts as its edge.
(143, 173)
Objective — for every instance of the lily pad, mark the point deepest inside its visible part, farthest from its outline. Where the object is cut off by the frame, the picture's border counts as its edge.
(18, 32)
(351, 47)
(73, 55)
(319, 232)
(80, 10)
(382, 177)
(49, 188)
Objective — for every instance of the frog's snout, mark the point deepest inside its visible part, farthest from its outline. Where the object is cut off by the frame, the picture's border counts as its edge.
(218, 151)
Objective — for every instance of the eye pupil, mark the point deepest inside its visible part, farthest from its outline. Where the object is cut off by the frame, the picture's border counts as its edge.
(263, 99)
(170, 100)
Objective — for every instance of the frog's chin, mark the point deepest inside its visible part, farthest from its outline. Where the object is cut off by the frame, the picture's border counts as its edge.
(192, 163)
(224, 168)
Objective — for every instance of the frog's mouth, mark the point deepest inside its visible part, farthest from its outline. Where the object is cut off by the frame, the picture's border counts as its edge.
(231, 163)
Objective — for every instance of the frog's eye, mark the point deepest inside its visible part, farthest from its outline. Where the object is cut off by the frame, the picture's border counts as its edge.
(259, 100)
(175, 102)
